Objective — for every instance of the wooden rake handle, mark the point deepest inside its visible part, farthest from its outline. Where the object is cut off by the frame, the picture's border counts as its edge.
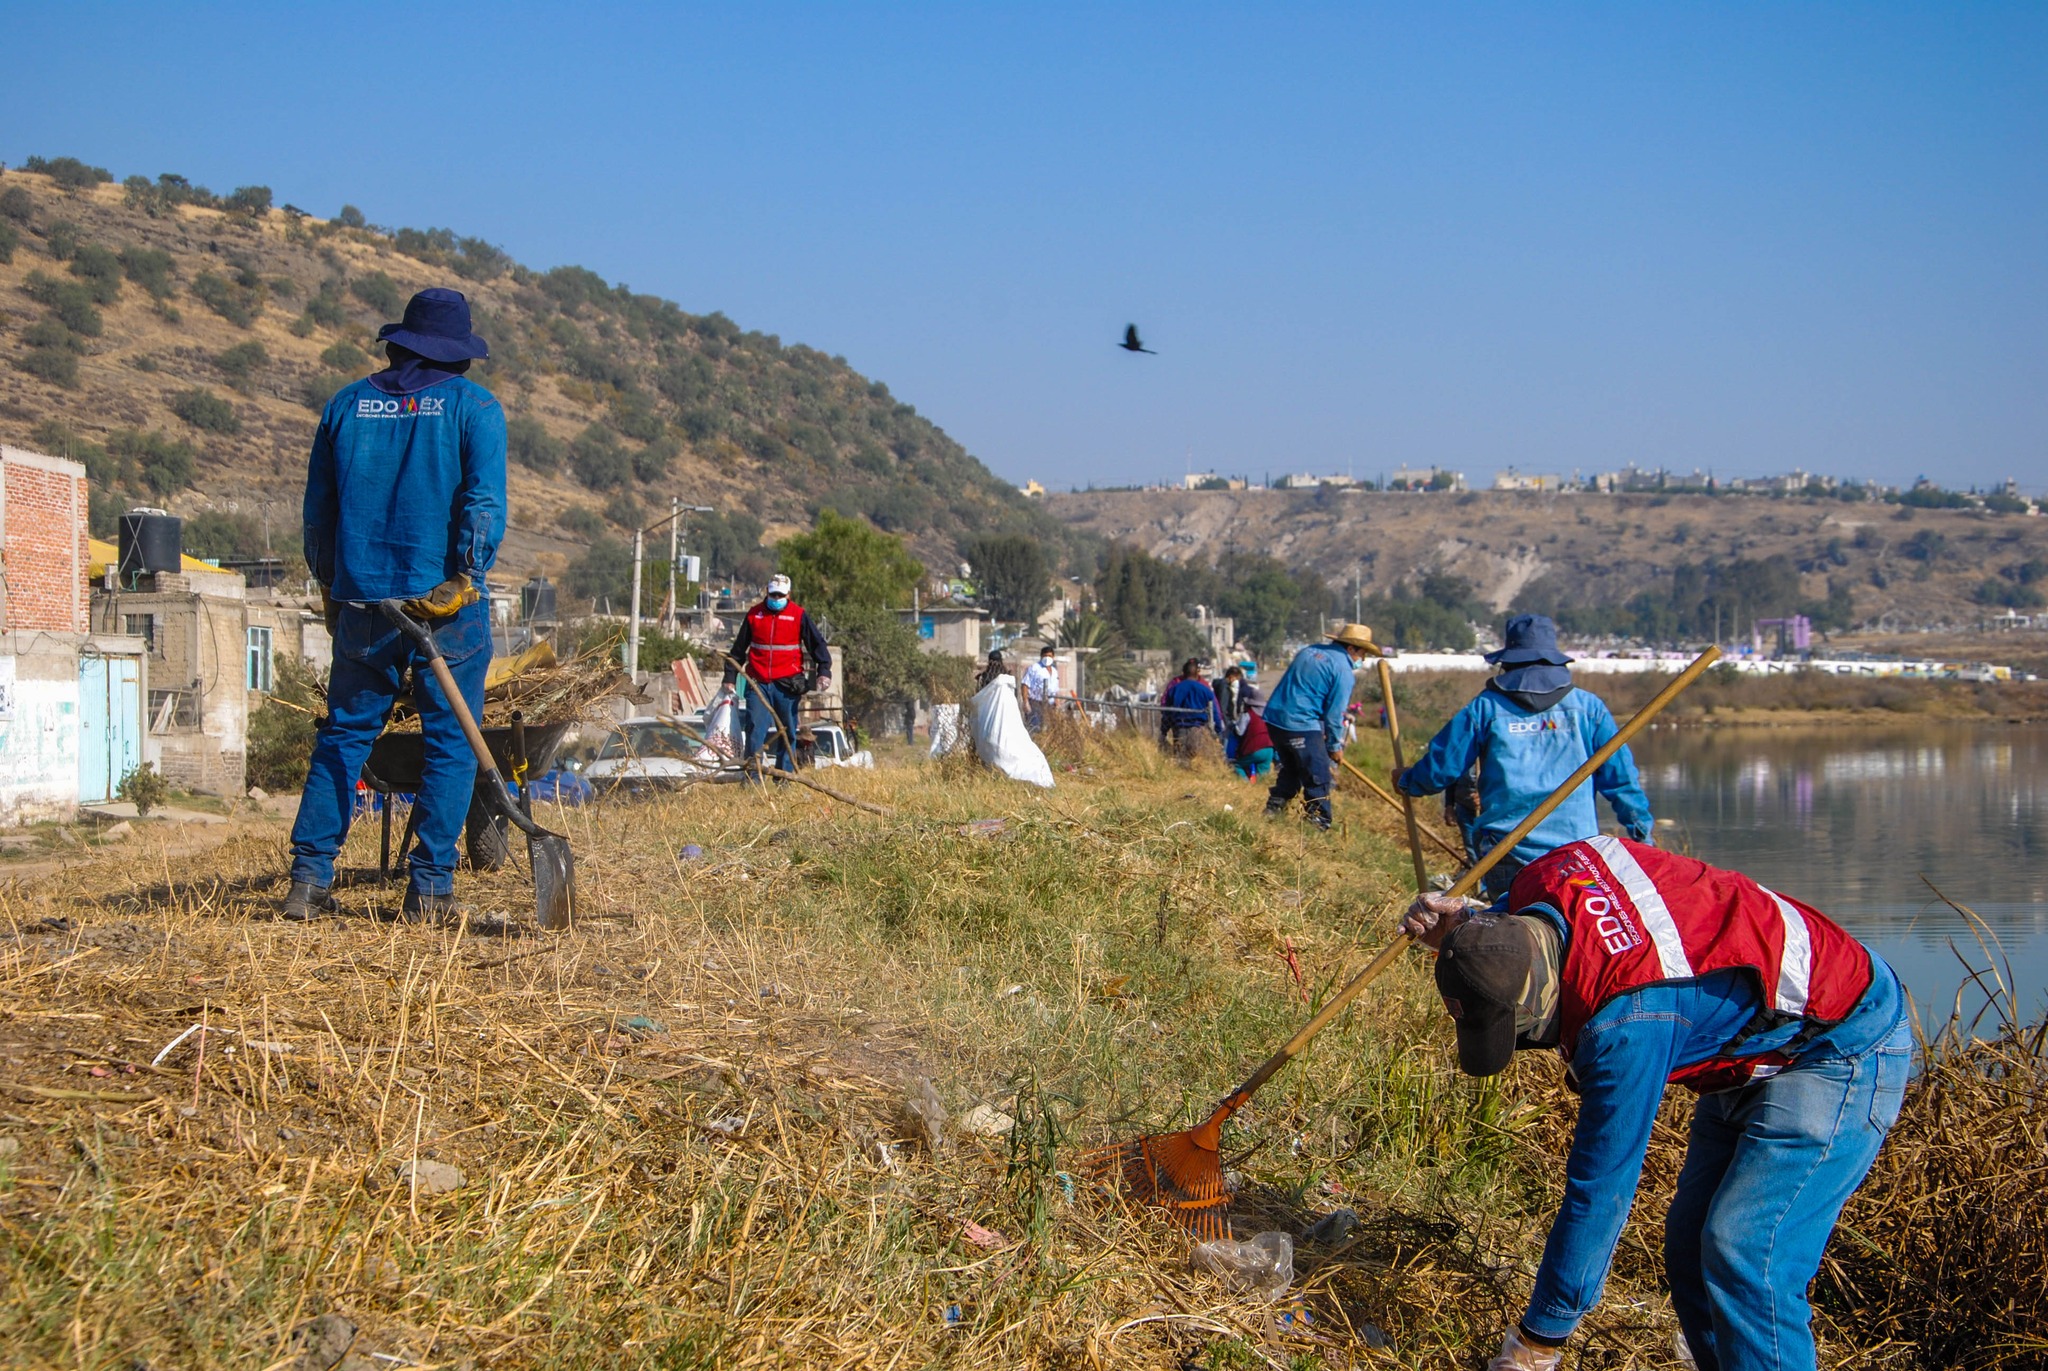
(1455, 854)
(1407, 801)
(1468, 882)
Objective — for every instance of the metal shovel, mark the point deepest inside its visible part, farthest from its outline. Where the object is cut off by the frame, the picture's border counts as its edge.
(554, 867)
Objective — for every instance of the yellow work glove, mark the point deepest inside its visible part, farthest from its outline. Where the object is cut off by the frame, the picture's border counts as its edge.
(444, 600)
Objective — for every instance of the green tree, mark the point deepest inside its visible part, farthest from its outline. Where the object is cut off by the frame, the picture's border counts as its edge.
(529, 444)
(222, 533)
(70, 303)
(17, 204)
(380, 293)
(345, 356)
(68, 172)
(150, 268)
(846, 563)
(581, 520)
(726, 541)
(164, 464)
(884, 666)
(603, 575)
(1014, 575)
(204, 410)
(599, 461)
(351, 217)
(241, 362)
(237, 302)
(100, 269)
(250, 200)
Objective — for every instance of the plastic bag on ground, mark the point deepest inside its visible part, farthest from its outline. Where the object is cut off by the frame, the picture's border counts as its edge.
(1263, 1265)
(1001, 738)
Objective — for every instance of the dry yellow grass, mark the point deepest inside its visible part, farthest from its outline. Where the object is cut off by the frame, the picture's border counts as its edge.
(684, 1128)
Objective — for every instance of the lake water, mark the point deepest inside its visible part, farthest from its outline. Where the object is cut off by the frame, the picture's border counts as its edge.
(1849, 818)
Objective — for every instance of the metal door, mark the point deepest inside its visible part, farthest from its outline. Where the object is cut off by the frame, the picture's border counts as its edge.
(109, 729)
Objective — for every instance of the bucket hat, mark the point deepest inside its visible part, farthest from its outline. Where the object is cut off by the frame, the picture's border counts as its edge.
(1356, 635)
(1529, 638)
(436, 326)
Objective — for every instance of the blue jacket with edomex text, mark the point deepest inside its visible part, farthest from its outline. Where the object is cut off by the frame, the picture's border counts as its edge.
(405, 490)
(1523, 754)
(1314, 692)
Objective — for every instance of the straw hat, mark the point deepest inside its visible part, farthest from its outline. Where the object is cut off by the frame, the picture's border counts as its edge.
(1356, 635)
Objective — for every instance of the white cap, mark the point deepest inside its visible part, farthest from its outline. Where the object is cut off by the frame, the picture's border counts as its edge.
(778, 584)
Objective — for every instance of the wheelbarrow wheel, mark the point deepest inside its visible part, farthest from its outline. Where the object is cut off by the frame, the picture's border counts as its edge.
(486, 837)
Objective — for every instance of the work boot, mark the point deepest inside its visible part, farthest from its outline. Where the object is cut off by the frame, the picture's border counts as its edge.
(305, 902)
(1319, 814)
(419, 908)
(1275, 808)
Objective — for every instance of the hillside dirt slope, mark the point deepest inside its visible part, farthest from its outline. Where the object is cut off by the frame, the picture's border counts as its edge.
(1904, 568)
(633, 397)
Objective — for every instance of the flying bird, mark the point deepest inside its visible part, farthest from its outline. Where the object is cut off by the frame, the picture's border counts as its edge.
(1131, 343)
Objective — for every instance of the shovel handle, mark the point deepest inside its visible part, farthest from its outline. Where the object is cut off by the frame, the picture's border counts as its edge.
(1376, 788)
(1470, 880)
(1407, 800)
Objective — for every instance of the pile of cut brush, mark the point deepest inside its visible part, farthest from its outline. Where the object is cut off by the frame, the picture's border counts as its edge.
(542, 689)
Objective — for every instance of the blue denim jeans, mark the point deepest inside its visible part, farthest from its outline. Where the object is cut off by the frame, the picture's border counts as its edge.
(763, 696)
(370, 660)
(1767, 1171)
(1304, 770)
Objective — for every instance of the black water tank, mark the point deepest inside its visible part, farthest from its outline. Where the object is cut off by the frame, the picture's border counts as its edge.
(151, 541)
(537, 601)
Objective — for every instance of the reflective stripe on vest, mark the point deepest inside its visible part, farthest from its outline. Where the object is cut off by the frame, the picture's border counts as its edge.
(777, 649)
(1639, 916)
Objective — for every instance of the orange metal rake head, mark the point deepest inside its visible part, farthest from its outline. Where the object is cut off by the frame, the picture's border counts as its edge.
(1182, 1172)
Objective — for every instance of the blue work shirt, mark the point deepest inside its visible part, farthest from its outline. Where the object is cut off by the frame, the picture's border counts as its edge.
(1523, 755)
(1314, 693)
(1626, 1054)
(405, 491)
(1188, 703)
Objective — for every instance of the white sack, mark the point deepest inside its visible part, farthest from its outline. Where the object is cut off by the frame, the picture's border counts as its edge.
(1001, 738)
(945, 729)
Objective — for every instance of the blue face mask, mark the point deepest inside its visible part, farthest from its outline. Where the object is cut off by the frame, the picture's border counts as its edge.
(776, 602)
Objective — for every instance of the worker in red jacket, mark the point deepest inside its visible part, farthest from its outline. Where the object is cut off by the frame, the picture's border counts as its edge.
(1645, 968)
(773, 641)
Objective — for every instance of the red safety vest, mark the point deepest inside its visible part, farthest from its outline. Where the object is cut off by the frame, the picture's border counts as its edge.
(777, 648)
(1254, 737)
(1639, 916)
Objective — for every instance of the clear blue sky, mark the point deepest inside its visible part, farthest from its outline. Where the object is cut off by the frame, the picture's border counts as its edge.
(1743, 237)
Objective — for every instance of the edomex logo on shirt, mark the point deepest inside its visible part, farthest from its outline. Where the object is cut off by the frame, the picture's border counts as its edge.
(1544, 725)
(401, 406)
(1612, 925)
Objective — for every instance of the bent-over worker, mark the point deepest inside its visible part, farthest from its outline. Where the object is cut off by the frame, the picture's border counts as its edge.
(1644, 968)
(773, 641)
(1527, 730)
(1305, 716)
(405, 500)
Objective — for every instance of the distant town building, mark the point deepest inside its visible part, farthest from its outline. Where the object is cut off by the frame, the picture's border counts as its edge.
(1209, 480)
(1512, 479)
(1305, 481)
(1428, 478)
(1031, 490)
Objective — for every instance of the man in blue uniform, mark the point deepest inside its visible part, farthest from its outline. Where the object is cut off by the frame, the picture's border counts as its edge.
(405, 500)
(1305, 717)
(1528, 730)
(1187, 712)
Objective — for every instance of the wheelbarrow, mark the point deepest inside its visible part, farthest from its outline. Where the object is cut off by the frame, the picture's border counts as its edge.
(395, 766)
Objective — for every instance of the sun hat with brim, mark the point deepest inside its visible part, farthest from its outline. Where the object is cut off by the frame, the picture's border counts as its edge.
(1481, 972)
(1529, 638)
(1356, 635)
(436, 326)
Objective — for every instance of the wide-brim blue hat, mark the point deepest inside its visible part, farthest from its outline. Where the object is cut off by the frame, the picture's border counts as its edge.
(1529, 638)
(436, 326)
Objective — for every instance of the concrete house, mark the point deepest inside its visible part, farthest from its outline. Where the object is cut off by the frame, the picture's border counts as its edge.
(70, 698)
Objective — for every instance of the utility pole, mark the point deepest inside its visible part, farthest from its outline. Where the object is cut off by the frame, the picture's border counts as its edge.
(676, 511)
(675, 507)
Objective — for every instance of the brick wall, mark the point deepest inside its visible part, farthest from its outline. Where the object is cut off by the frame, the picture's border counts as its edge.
(42, 539)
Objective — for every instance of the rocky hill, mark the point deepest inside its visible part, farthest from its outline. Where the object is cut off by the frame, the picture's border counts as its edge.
(181, 343)
(1880, 565)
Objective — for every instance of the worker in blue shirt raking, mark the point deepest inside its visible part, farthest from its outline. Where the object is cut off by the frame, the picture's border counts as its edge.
(405, 500)
(1189, 720)
(1305, 718)
(1527, 731)
(1642, 969)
